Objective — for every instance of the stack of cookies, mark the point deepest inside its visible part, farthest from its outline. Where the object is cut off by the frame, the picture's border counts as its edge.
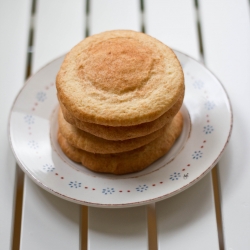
(120, 93)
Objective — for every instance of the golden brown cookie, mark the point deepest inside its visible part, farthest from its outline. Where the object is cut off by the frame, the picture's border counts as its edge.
(124, 133)
(127, 162)
(119, 78)
(91, 143)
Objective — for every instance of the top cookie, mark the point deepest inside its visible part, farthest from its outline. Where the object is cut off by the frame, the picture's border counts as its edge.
(119, 78)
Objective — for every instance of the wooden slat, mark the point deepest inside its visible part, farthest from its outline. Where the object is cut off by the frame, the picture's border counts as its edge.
(185, 221)
(117, 229)
(188, 220)
(58, 27)
(122, 228)
(226, 37)
(50, 222)
(114, 14)
(173, 23)
(14, 27)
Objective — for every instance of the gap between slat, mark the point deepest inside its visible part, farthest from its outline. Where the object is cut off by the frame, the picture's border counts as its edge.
(31, 36)
(84, 228)
(218, 206)
(143, 30)
(215, 179)
(199, 32)
(18, 208)
(87, 17)
(19, 173)
(152, 228)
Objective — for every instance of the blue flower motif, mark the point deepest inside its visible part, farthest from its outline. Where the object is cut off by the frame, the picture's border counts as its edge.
(175, 176)
(209, 105)
(142, 188)
(48, 167)
(75, 184)
(41, 96)
(33, 144)
(198, 84)
(108, 190)
(29, 119)
(197, 155)
(208, 129)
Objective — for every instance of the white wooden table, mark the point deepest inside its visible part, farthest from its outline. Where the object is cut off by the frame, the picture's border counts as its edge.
(212, 214)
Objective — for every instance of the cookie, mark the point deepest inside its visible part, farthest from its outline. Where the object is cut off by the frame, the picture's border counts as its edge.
(123, 133)
(91, 143)
(119, 78)
(127, 162)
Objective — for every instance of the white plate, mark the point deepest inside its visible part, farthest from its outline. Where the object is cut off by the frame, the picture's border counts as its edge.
(207, 128)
